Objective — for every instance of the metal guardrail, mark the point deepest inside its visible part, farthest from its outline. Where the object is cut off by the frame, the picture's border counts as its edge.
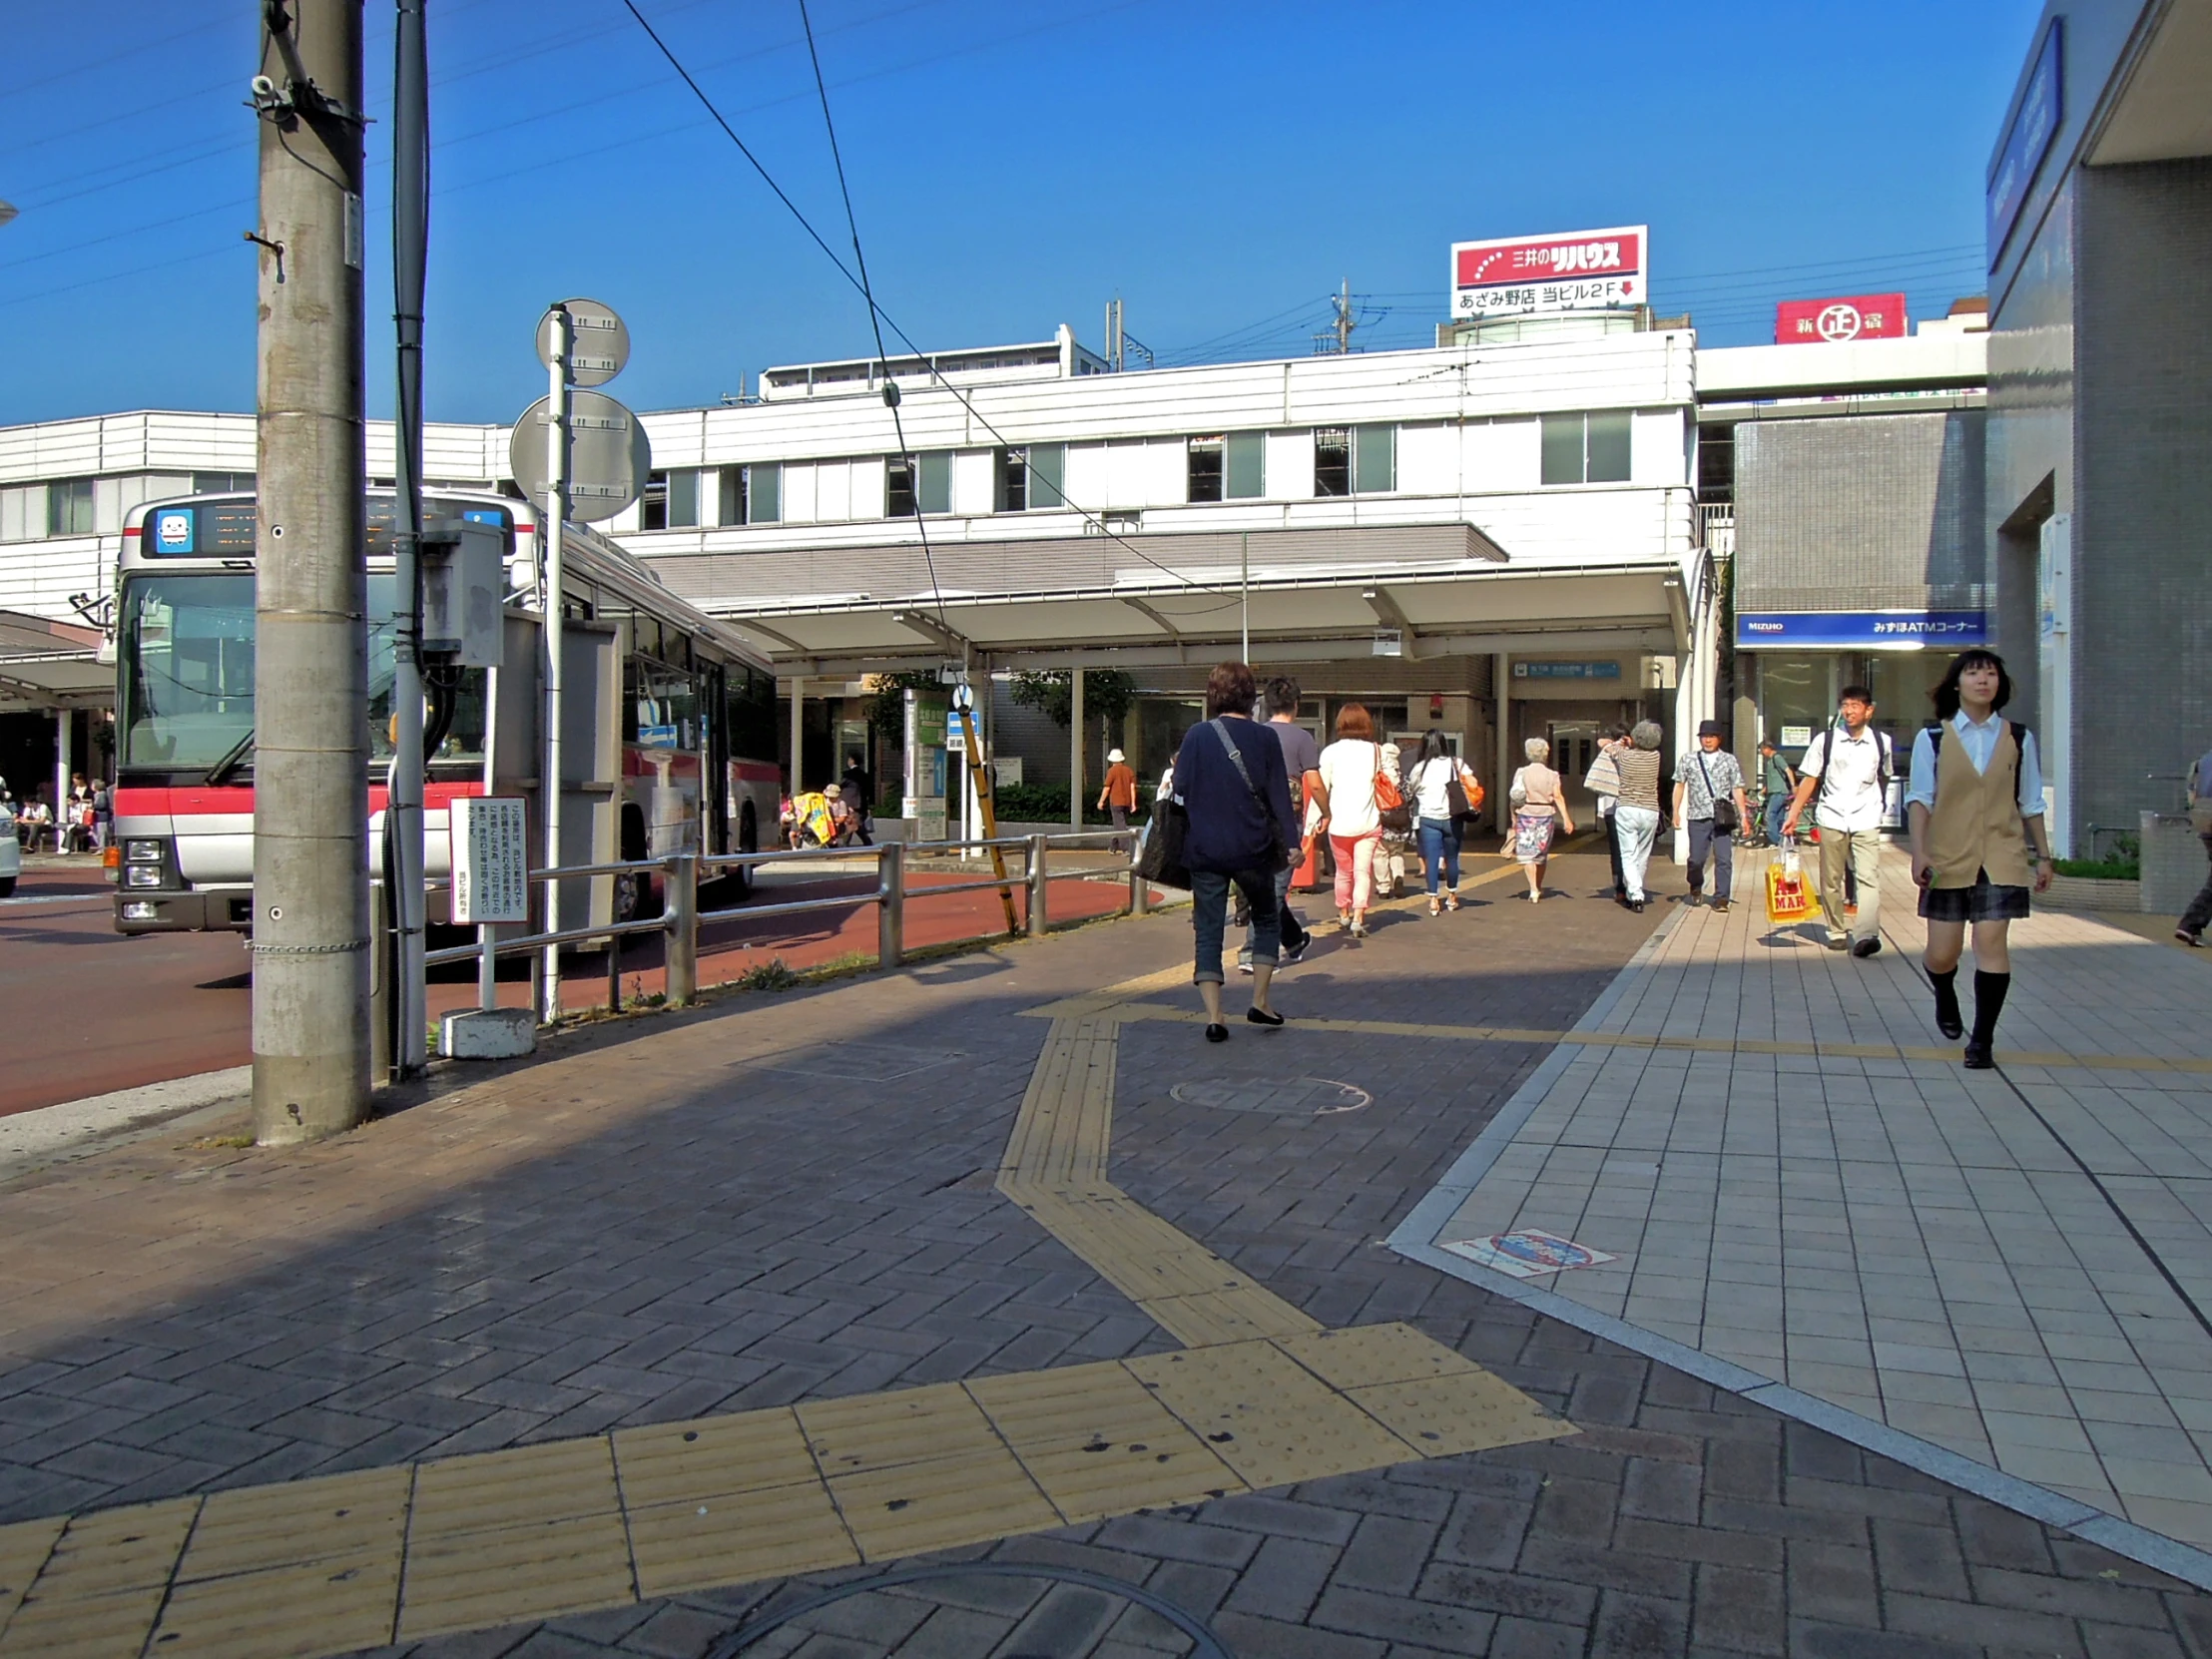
(682, 919)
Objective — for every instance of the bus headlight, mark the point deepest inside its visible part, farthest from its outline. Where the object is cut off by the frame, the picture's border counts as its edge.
(142, 852)
(141, 875)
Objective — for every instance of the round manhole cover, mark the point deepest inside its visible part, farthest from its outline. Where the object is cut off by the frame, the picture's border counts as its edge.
(1006, 1609)
(1286, 1097)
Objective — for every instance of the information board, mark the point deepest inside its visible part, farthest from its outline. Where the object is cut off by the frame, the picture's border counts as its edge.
(492, 860)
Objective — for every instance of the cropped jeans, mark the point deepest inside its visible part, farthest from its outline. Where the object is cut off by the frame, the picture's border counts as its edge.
(1209, 918)
(1439, 850)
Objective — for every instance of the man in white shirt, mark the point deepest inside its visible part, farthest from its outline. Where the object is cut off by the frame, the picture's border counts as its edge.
(1846, 773)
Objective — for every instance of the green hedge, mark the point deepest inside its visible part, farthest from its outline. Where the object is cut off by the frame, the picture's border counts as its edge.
(2108, 869)
(1044, 803)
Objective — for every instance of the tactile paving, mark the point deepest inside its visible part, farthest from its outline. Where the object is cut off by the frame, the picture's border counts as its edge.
(1099, 1442)
(1266, 1415)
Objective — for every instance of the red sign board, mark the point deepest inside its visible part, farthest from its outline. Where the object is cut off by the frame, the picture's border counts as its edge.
(1832, 321)
(1580, 270)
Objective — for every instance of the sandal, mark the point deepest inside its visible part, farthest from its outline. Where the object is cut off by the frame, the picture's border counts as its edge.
(1451, 901)
(1435, 906)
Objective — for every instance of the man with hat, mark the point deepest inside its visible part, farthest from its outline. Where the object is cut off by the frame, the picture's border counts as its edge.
(1120, 790)
(1709, 798)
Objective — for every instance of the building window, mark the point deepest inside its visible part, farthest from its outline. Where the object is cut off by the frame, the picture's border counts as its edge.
(69, 507)
(1013, 480)
(1332, 460)
(914, 483)
(1248, 466)
(729, 495)
(1716, 464)
(764, 492)
(683, 499)
(1586, 448)
(1048, 470)
(223, 483)
(653, 503)
(1205, 470)
(1374, 459)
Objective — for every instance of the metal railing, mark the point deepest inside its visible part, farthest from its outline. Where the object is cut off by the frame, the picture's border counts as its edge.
(682, 919)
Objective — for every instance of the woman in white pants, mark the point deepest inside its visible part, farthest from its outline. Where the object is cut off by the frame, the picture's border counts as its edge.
(1636, 807)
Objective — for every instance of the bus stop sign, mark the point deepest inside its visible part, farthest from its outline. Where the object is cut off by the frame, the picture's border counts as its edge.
(598, 342)
(608, 455)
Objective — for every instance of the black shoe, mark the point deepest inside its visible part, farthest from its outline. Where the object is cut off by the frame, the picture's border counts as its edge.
(1259, 1016)
(1292, 953)
(1978, 1057)
(1638, 905)
(1949, 1020)
(1866, 948)
(2194, 942)
(1695, 898)
(1217, 1033)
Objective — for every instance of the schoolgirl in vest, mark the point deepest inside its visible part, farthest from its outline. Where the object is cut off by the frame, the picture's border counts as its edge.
(1977, 806)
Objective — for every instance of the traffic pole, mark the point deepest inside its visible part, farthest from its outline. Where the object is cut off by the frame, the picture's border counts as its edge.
(411, 225)
(310, 761)
(552, 521)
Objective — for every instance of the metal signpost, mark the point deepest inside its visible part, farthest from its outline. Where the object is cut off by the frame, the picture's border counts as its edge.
(588, 457)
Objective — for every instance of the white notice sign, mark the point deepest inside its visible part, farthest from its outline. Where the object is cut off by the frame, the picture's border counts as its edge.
(492, 860)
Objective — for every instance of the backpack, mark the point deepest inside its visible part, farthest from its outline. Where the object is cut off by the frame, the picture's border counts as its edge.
(1885, 764)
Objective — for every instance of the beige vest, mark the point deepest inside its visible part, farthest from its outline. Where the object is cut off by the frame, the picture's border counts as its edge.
(1976, 822)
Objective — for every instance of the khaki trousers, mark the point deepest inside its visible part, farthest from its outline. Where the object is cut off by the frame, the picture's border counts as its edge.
(1859, 852)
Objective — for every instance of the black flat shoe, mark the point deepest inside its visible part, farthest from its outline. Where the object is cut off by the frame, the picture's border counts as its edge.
(1978, 1057)
(1261, 1018)
(1217, 1033)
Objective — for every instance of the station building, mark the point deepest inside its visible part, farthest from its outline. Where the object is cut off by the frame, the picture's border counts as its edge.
(1497, 538)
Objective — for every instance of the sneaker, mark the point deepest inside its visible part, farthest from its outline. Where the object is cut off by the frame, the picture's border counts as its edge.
(2182, 935)
(1868, 947)
(1720, 907)
(1839, 941)
(1293, 954)
(1244, 967)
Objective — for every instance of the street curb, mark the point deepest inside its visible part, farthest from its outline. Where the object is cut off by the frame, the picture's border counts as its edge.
(1415, 1239)
(30, 1140)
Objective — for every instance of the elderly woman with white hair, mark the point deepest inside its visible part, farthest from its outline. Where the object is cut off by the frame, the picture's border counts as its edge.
(1636, 807)
(1540, 811)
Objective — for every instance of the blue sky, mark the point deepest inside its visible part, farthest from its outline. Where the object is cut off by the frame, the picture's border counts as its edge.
(1220, 168)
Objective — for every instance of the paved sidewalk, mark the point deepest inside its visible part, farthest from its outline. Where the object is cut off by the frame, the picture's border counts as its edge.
(978, 1186)
(1797, 1179)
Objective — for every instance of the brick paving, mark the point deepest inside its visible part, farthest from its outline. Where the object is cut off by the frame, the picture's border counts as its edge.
(670, 1222)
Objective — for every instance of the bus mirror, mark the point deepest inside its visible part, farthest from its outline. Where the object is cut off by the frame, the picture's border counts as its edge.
(463, 586)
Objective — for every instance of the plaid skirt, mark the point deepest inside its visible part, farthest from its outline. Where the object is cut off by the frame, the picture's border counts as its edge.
(1984, 902)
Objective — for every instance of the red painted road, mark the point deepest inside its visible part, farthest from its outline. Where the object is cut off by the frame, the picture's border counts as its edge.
(84, 1010)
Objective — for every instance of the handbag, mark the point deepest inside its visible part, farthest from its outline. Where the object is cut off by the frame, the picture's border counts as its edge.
(1725, 821)
(1604, 776)
(1389, 800)
(1160, 854)
(1463, 794)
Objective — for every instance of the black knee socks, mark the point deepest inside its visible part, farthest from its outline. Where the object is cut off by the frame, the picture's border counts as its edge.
(1989, 1003)
(1946, 999)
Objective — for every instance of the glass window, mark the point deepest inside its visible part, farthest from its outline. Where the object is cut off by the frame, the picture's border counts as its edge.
(1048, 466)
(653, 504)
(1563, 448)
(898, 488)
(69, 507)
(1331, 461)
(934, 482)
(1792, 700)
(730, 495)
(764, 491)
(1013, 480)
(221, 483)
(683, 499)
(187, 650)
(1608, 448)
(1374, 458)
(1248, 465)
(1204, 467)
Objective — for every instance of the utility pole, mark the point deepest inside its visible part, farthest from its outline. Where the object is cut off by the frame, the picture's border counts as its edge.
(1344, 324)
(311, 764)
(553, 523)
(410, 228)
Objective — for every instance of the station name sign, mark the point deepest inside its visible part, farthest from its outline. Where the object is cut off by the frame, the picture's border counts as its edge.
(1577, 270)
(2027, 137)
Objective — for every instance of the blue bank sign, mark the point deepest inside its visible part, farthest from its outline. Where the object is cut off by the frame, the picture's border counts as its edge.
(1863, 629)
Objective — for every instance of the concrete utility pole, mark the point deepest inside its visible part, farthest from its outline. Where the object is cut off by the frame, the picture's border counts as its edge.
(310, 762)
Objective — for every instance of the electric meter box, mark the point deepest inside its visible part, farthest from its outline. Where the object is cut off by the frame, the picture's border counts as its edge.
(464, 583)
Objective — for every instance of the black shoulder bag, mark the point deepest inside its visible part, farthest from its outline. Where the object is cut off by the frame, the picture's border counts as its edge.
(1724, 810)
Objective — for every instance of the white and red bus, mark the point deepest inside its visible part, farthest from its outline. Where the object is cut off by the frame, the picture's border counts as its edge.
(660, 698)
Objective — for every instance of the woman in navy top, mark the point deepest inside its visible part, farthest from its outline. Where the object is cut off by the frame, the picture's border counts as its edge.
(1241, 828)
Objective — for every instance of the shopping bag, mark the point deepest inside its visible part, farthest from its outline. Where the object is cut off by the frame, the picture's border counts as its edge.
(1788, 897)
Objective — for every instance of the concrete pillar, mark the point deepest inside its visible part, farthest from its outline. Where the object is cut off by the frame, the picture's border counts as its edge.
(1502, 673)
(1075, 751)
(64, 734)
(799, 728)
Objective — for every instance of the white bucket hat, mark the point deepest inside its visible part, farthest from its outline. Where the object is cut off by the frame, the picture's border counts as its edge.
(1114, 756)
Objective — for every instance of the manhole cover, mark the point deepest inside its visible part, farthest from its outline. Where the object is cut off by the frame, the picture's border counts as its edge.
(855, 1062)
(1000, 1609)
(1291, 1097)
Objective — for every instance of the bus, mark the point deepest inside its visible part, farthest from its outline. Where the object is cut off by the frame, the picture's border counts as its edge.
(670, 716)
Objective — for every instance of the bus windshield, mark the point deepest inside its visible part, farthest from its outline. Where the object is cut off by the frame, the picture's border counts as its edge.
(184, 649)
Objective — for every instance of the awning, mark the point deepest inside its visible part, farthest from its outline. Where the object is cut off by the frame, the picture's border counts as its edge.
(47, 665)
(1413, 591)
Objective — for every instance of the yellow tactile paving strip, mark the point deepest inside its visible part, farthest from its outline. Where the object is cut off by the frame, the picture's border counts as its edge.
(1127, 1010)
(1262, 1397)
(323, 1566)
